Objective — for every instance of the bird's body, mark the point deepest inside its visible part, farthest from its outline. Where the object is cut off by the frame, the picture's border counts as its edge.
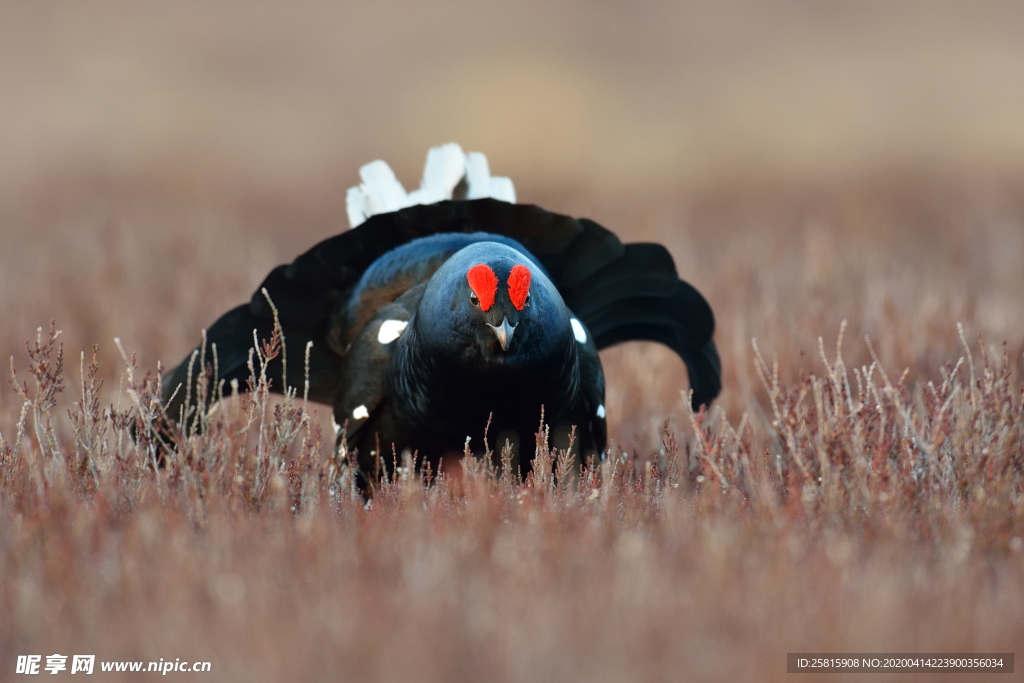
(419, 382)
(431, 321)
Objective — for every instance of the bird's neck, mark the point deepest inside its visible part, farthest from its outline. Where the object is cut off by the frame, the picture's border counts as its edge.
(445, 396)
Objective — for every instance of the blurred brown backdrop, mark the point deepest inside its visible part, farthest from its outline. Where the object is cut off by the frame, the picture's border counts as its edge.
(805, 161)
(603, 95)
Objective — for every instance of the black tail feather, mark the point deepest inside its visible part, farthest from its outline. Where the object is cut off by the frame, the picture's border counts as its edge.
(233, 336)
(638, 296)
(705, 370)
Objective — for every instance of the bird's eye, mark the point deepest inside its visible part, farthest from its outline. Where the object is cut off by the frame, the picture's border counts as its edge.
(474, 299)
(528, 299)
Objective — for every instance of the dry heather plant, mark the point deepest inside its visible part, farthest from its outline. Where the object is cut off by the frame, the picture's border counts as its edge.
(852, 513)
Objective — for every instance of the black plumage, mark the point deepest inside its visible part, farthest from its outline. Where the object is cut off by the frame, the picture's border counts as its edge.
(407, 355)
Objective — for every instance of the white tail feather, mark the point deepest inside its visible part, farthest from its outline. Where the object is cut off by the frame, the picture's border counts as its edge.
(446, 167)
(389, 194)
(503, 189)
(478, 176)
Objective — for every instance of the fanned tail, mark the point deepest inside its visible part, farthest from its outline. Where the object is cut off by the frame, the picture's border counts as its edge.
(620, 292)
(638, 296)
(226, 355)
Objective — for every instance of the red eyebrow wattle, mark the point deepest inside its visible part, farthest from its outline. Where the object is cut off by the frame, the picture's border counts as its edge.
(519, 286)
(484, 284)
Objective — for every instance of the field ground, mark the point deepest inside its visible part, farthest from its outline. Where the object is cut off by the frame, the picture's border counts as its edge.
(863, 163)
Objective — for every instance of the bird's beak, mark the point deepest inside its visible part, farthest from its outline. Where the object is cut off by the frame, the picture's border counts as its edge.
(503, 332)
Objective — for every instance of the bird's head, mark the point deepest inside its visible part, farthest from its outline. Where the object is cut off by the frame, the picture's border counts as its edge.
(491, 304)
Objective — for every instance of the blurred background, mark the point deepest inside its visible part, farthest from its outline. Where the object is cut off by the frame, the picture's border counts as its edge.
(609, 96)
(805, 161)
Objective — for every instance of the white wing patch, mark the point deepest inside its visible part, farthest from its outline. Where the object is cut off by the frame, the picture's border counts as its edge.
(446, 167)
(361, 413)
(390, 330)
(600, 411)
(578, 331)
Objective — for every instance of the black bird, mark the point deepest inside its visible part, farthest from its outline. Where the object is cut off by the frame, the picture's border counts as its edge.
(427, 320)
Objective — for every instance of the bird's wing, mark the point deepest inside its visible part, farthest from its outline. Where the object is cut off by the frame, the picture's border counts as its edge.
(361, 387)
(591, 412)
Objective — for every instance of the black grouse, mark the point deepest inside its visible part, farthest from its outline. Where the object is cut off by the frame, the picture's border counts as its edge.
(428, 320)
